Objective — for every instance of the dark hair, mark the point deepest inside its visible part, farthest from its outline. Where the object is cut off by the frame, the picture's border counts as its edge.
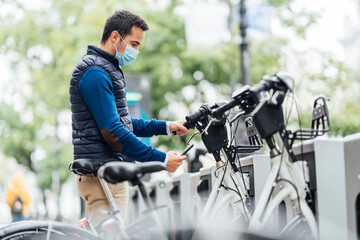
(122, 21)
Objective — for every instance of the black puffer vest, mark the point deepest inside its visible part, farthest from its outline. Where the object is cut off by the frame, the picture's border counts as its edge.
(87, 139)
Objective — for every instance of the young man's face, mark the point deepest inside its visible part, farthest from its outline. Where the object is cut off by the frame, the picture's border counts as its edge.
(134, 39)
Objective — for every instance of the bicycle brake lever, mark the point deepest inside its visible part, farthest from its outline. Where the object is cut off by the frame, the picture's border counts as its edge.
(188, 141)
(237, 116)
(208, 126)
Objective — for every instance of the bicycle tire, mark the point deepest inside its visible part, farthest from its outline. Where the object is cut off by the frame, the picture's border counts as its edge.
(297, 229)
(40, 230)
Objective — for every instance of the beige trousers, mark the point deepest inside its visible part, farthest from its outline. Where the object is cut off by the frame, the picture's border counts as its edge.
(91, 192)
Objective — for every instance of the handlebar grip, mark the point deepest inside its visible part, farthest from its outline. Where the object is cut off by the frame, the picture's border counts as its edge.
(186, 124)
(258, 88)
(222, 109)
(194, 116)
(265, 84)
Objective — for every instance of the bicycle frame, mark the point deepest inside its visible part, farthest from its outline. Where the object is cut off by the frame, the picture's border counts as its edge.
(229, 179)
(282, 168)
(114, 209)
(124, 229)
(215, 136)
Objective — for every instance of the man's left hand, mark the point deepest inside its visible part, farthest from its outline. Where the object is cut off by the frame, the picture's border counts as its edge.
(178, 127)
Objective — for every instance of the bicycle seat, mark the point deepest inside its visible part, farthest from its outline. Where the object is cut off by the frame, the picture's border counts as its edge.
(86, 166)
(115, 172)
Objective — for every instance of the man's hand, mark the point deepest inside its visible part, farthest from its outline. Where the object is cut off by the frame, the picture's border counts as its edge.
(174, 161)
(178, 127)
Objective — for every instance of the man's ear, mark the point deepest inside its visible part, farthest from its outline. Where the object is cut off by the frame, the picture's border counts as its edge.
(114, 36)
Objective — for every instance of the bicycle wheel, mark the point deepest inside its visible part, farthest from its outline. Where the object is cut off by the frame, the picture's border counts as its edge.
(297, 229)
(40, 230)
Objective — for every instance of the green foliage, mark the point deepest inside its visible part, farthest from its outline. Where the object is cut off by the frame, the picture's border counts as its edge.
(16, 137)
(59, 160)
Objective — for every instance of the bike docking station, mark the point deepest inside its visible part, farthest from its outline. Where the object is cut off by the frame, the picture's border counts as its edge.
(333, 178)
(208, 177)
(162, 200)
(192, 190)
(338, 187)
(352, 184)
(334, 184)
(258, 168)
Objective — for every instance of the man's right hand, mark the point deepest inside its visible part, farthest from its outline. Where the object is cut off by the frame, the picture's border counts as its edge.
(174, 161)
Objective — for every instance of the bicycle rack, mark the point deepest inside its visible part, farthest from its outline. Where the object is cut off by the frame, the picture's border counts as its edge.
(320, 123)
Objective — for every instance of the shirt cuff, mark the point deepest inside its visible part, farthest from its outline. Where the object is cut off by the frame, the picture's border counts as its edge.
(168, 129)
(166, 160)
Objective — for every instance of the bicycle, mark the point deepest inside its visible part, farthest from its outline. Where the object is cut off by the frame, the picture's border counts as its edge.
(230, 188)
(267, 115)
(113, 227)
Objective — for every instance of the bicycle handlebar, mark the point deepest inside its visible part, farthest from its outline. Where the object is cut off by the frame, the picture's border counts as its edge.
(222, 109)
(245, 97)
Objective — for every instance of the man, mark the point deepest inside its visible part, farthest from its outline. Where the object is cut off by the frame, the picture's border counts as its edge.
(102, 127)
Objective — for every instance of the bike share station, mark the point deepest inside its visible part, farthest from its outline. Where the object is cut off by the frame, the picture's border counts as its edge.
(334, 180)
(332, 186)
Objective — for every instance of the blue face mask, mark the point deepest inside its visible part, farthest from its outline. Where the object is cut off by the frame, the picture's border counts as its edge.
(129, 55)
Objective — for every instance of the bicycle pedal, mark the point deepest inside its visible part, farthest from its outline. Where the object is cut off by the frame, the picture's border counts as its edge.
(84, 223)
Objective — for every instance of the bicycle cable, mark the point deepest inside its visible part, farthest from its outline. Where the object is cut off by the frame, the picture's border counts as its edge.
(296, 190)
(222, 180)
(291, 95)
(302, 152)
(278, 172)
(241, 199)
(237, 191)
(233, 138)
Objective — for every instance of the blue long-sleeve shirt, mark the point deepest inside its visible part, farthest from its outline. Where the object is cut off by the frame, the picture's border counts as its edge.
(96, 89)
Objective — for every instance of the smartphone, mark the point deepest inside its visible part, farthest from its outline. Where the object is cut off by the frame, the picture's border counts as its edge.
(187, 149)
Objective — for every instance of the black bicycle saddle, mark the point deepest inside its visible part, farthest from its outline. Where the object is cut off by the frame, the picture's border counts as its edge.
(115, 172)
(86, 166)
